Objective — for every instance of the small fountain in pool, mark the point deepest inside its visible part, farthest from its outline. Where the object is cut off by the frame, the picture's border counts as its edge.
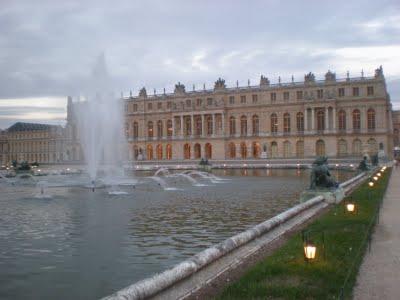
(42, 187)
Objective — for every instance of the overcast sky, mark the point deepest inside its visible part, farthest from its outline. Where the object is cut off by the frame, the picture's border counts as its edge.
(48, 48)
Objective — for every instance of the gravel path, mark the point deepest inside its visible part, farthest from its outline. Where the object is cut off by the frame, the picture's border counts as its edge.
(379, 276)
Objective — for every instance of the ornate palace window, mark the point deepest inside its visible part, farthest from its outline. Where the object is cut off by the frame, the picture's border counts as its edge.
(256, 125)
(135, 130)
(150, 129)
(286, 123)
(320, 120)
(300, 121)
(232, 126)
(356, 119)
(243, 125)
(274, 123)
(371, 119)
(342, 119)
(160, 128)
(169, 128)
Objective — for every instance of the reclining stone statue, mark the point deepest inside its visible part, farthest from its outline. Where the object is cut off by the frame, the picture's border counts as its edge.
(321, 178)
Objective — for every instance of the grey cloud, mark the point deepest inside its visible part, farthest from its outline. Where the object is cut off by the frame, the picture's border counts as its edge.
(49, 47)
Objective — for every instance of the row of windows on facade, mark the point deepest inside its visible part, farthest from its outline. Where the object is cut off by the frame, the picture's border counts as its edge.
(243, 98)
(320, 118)
(255, 150)
(38, 157)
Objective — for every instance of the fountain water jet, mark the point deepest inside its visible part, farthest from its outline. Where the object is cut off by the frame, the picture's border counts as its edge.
(100, 122)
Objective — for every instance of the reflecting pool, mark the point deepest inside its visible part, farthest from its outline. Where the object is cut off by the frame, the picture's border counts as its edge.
(79, 244)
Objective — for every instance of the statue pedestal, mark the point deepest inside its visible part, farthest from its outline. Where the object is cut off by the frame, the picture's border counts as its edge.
(330, 195)
(263, 154)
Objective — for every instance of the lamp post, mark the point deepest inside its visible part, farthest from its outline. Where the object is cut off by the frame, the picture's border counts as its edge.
(310, 249)
(371, 185)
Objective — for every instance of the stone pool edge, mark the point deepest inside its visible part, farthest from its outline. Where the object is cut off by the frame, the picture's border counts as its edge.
(284, 221)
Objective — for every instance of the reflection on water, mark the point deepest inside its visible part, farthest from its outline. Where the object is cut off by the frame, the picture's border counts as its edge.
(84, 245)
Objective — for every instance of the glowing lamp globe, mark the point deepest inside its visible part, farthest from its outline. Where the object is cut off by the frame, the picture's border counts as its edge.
(371, 183)
(310, 250)
(375, 178)
(350, 207)
(378, 174)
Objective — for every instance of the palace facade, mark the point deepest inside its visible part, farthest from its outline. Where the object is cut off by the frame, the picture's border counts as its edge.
(347, 117)
(33, 142)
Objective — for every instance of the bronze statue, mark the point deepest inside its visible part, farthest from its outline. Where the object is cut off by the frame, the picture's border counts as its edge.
(363, 166)
(321, 178)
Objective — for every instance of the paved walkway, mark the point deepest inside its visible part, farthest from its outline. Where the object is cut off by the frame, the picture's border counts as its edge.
(379, 276)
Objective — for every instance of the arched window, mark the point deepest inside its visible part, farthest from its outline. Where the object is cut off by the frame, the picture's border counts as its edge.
(243, 125)
(256, 149)
(232, 126)
(198, 126)
(208, 151)
(286, 122)
(159, 152)
(396, 137)
(243, 150)
(274, 123)
(135, 130)
(287, 149)
(197, 151)
(320, 120)
(300, 121)
(356, 119)
(169, 151)
(357, 147)
(232, 150)
(372, 146)
(256, 125)
(169, 128)
(342, 148)
(150, 129)
(274, 149)
(371, 119)
(300, 149)
(342, 120)
(149, 152)
(135, 152)
(160, 129)
(188, 126)
(186, 151)
(209, 125)
(320, 148)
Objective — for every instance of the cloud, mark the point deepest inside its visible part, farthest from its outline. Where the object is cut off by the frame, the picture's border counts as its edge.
(50, 47)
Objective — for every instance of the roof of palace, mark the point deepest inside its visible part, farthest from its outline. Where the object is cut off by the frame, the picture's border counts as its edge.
(21, 126)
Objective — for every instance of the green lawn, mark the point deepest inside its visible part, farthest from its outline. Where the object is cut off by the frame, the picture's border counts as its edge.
(286, 274)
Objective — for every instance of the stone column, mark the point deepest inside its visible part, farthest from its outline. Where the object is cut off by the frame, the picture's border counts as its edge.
(203, 132)
(334, 119)
(326, 119)
(213, 125)
(223, 123)
(173, 127)
(312, 119)
(306, 120)
(192, 126)
(181, 125)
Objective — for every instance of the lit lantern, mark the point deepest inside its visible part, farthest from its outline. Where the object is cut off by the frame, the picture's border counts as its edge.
(371, 183)
(375, 178)
(379, 174)
(310, 250)
(351, 207)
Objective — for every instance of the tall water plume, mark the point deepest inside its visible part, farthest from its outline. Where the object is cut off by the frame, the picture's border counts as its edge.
(100, 122)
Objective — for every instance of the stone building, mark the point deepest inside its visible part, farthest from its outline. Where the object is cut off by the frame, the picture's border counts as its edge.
(3, 148)
(347, 117)
(396, 128)
(34, 142)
